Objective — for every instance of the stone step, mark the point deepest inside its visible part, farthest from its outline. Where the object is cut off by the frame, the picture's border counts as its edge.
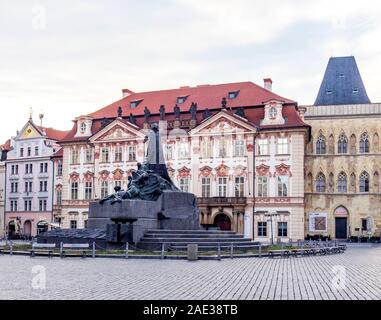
(213, 232)
(214, 247)
(194, 240)
(179, 235)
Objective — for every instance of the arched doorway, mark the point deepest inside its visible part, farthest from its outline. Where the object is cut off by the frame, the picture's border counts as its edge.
(42, 226)
(27, 228)
(341, 222)
(223, 222)
(11, 228)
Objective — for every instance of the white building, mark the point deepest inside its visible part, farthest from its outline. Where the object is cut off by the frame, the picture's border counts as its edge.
(238, 147)
(29, 180)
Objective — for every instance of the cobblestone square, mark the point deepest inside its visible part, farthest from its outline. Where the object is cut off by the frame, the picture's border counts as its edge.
(307, 278)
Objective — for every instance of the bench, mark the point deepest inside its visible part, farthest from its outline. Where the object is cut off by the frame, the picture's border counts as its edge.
(42, 248)
(2, 248)
(75, 247)
(279, 253)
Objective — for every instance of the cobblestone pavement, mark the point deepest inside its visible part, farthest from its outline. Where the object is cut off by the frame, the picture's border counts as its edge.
(248, 279)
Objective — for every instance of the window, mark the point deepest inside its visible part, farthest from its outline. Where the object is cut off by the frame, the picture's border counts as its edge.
(342, 183)
(169, 151)
(239, 186)
(184, 150)
(262, 186)
(29, 151)
(45, 167)
(222, 150)
(282, 229)
(364, 143)
(205, 187)
(74, 156)
(233, 94)
(282, 186)
(118, 156)
(181, 100)
(59, 169)
(89, 155)
(14, 187)
(43, 186)
(74, 190)
(263, 147)
(355, 90)
(21, 152)
(328, 91)
(14, 205)
(59, 197)
(321, 145)
(364, 182)
(184, 184)
(131, 153)
(273, 112)
(105, 155)
(28, 187)
(36, 151)
(342, 144)
(83, 127)
(239, 148)
(206, 145)
(117, 183)
(104, 189)
(282, 146)
(320, 183)
(222, 186)
(43, 205)
(262, 229)
(41, 167)
(88, 190)
(16, 169)
(73, 224)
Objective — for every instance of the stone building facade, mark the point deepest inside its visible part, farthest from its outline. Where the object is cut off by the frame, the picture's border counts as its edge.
(342, 166)
(3, 156)
(239, 147)
(29, 180)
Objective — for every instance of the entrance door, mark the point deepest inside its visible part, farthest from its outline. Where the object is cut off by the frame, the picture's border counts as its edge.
(222, 221)
(27, 228)
(341, 228)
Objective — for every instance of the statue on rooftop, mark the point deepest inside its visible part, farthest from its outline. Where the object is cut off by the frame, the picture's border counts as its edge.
(193, 110)
(162, 112)
(147, 114)
(176, 111)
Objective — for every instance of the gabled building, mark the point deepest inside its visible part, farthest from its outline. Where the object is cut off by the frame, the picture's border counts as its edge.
(239, 147)
(29, 180)
(343, 159)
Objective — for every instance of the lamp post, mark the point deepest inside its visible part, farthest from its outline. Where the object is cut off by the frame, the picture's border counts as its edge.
(270, 216)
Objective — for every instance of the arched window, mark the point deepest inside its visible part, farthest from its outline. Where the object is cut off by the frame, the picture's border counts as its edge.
(342, 182)
(342, 144)
(364, 143)
(321, 145)
(376, 182)
(364, 182)
(320, 183)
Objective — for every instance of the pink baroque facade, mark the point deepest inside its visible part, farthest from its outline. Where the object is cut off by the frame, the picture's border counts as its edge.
(238, 147)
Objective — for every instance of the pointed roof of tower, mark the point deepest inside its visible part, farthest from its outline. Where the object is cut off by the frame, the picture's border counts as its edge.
(342, 83)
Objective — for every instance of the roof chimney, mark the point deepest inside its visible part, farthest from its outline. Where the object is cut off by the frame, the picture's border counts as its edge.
(126, 92)
(268, 84)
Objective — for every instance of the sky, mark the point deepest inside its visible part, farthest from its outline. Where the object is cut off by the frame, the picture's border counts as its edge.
(69, 58)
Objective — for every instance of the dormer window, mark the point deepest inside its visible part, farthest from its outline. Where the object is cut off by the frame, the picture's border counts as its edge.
(341, 75)
(83, 127)
(328, 91)
(273, 112)
(233, 94)
(134, 104)
(355, 90)
(181, 100)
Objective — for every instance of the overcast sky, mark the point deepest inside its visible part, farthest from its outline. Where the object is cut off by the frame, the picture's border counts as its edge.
(71, 57)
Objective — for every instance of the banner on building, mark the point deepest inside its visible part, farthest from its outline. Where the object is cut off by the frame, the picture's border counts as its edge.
(318, 222)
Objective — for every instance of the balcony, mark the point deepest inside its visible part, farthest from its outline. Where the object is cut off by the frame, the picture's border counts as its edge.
(43, 175)
(216, 201)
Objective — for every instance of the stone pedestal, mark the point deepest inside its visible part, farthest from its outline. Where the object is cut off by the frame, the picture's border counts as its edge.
(192, 252)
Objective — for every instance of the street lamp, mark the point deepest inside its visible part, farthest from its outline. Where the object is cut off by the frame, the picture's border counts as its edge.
(271, 215)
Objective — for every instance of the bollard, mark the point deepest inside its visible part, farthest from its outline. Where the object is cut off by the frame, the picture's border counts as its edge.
(219, 251)
(11, 248)
(162, 250)
(260, 250)
(127, 249)
(232, 250)
(192, 250)
(94, 250)
(61, 250)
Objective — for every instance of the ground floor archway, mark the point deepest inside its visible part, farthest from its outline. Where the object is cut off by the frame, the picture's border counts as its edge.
(27, 228)
(223, 222)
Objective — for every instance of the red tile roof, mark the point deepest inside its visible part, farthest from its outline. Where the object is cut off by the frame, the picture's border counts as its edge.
(58, 154)
(251, 97)
(53, 133)
(206, 96)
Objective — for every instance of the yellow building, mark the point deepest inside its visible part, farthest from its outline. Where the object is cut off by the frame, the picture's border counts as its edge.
(342, 162)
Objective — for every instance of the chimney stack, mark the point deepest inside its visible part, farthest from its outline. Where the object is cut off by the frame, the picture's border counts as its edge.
(268, 84)
(126, 92)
